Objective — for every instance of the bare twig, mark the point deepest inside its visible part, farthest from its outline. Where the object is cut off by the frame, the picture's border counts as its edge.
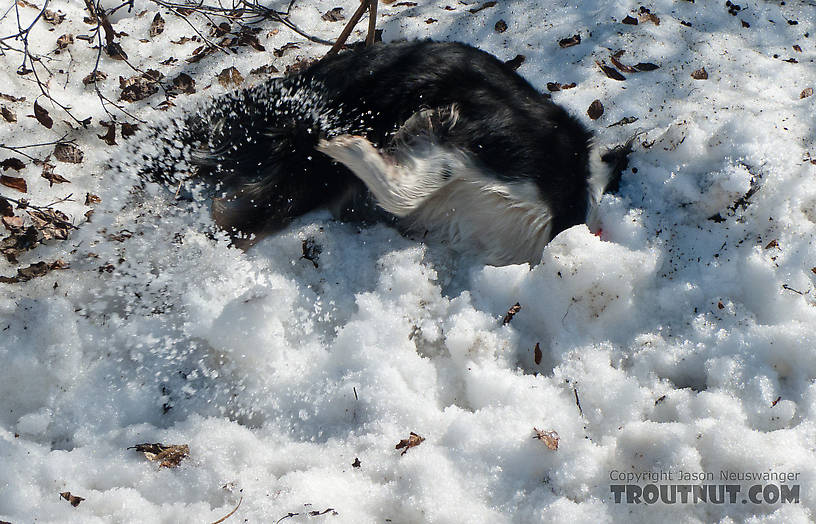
(341, 40)
(372, 22)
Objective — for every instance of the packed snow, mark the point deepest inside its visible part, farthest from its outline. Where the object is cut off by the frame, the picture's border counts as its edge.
(682, 337)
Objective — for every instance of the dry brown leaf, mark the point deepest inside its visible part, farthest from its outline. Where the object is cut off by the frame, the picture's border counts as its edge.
(110, 135)
(129, 130)
(806, 93)
(10, 98)
(6, 209)
(14, 182)
(550, 438)
(36, 270)
(94, 77)
(156, 26)
(90, 198)
(264, 70)
(53, 178)
(483, 6)
(42, 115)
(772, 244)
(230, 77)
(12, 222)
(8, 114)
(537, 354)
(12, 163)
(168, 456)
(501, 26)
(630, 20)
(73, 499)
(413, 440)
(515, 308)
(620, 65)
(569, 42)
(68, 153)
(611, 72)
(184, 83)
(137, 87)
(53, 18)
(595, 110)
(65, 40)
(700, 74)
(333, 15)
(646, 66)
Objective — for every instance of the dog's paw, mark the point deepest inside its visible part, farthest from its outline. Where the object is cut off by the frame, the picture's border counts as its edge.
(346, 148)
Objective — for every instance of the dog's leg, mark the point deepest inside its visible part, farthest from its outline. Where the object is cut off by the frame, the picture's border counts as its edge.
(398, 188)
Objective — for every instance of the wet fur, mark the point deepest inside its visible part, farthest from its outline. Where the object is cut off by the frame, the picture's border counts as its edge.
(440, 138)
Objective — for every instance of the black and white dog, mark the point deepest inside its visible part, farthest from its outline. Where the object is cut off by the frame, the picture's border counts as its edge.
(448, 140)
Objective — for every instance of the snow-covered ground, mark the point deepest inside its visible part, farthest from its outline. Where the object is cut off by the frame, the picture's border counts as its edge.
(683, 339)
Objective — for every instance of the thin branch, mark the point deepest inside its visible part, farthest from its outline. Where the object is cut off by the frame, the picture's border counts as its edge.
(341, 40)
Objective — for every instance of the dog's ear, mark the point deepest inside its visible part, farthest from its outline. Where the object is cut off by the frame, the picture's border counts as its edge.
(617, 159)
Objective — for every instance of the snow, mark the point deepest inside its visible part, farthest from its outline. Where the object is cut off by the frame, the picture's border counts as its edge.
(672, 342)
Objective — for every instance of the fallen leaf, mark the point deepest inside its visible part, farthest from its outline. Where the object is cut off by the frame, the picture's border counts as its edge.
(25, 274)
(184, 83)
(806, 93)
(129, 130)
(646, 66)
(645, 15)
(110, 135)
(700, 74)
(74, 500)
(797, 48)
(515, 308)
(90, 198)
(14, 182)
(356, 463)
(430, 20)
(8, 114)
(775, 402)
(68, 153)
(115, 51)
(95, 76)
(569, 42)
(10, 98)
(553, 86)
(168, 456)
(501, 26)
(137, 87)
(12, 163)
(53, 178)
(267, 69)
(65, 40)
(42, 115)
(772, 244)
(229, 77)
(12, 222)
(412, 441)
(620, 65)
(156, 26)
(630, 20)
(483, 6)
(611, 72)
(550, 438)
(53, 18)
(333, 15)
(6, 209)
(595, 110)
(537, 354)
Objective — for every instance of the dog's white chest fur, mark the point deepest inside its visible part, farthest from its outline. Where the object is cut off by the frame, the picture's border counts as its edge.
(442, 193)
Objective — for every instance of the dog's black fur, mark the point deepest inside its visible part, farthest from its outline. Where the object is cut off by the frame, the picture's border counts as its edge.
(259, 144)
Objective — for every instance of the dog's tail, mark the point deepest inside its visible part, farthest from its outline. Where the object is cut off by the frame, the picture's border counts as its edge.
(253, 152)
